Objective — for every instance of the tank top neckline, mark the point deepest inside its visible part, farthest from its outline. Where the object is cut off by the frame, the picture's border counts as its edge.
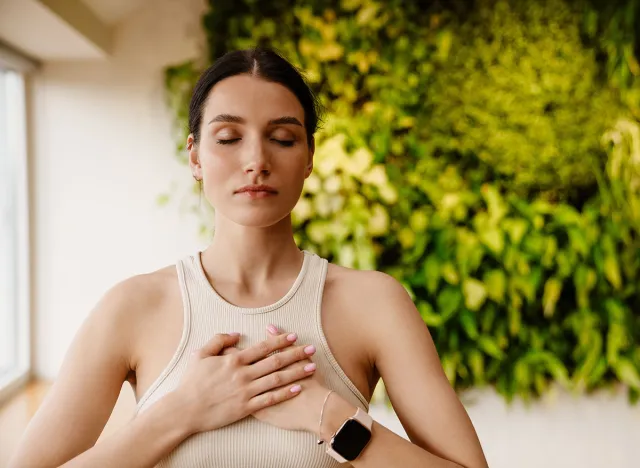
(252, 310)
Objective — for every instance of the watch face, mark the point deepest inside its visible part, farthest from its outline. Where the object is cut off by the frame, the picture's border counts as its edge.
(351, 439)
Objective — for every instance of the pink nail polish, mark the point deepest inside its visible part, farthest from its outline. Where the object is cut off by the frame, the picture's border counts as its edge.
(234, 334)
(310, 367)
(296, 389)
(292, 337)
(310, 349)
(272, 329)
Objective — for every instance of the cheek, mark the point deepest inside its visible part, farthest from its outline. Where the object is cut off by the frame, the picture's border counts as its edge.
(217, 161)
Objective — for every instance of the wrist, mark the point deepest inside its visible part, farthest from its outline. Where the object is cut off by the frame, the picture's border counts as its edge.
(175, 411)
(337, 410)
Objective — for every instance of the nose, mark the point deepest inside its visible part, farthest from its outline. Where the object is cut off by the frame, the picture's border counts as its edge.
(257, 159)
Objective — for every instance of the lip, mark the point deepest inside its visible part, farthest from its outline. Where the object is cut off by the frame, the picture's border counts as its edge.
(257, 189)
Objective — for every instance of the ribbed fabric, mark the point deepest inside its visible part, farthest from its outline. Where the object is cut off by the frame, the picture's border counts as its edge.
(250, 443)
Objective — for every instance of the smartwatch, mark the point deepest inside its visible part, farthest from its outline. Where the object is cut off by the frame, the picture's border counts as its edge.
(351, 438)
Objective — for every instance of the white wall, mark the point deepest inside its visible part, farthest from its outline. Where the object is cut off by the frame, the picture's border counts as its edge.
(561, 431)
(102, 151)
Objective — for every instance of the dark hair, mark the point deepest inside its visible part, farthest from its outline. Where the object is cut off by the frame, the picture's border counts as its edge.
(261, 62)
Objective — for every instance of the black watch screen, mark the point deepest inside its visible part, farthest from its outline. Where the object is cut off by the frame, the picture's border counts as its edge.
(351, 439)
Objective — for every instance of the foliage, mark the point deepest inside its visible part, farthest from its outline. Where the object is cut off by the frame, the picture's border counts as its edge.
(520, 91)
(446, 131)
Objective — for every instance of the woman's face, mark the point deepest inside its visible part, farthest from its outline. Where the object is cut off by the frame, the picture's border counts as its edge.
(252, 132)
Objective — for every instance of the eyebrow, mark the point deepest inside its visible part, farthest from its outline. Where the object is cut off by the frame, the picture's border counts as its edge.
(237, 119)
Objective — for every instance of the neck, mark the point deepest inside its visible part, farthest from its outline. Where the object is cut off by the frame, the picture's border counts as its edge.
(251, 257)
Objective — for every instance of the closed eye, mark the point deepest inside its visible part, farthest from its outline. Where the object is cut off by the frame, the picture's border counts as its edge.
(227, 142)
(285, 143)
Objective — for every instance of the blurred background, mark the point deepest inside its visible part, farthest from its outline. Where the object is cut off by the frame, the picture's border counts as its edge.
(485, 153)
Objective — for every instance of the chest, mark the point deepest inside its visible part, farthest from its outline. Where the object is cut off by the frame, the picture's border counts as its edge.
(250, 443)
(346, 338)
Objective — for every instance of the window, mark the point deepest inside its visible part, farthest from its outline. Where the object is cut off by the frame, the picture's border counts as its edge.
(14, 277)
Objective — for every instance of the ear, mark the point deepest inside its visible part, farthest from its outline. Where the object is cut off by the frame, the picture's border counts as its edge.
(312, 150)
(194, 158)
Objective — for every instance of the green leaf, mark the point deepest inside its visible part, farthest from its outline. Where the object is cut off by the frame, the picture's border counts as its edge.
(551, 363)
(475, 293)
(493, 239)
(584, 279)
(428, 315)
(476, 364)
(584, 373)
(597, 373)
(515, 320)
(449, 273)
(612, 271)
(432, 273)
(516, 228)
(488, 316)
(448, 302)
(496, 284)
(552, 290)
(578, 241)
(627, 372)
(490, 347)
(616, 341)
(449, 365)
(469, 323)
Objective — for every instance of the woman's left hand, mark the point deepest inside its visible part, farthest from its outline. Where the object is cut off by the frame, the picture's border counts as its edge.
(303, 411)
(303, 414)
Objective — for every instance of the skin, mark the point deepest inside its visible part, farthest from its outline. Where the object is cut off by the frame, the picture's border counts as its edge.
(253, 259)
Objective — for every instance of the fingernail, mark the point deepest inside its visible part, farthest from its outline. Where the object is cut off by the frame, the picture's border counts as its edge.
(292, 337)
(310, 367)
(296, 389)
(234, 334)
(272, 329)
(310, 349)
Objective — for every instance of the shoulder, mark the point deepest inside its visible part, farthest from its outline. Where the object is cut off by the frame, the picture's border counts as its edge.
(374, 299)
(124, 308)
(138, 293)
(368, 287)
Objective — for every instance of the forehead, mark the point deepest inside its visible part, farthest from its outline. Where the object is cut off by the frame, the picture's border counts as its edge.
(253, 99)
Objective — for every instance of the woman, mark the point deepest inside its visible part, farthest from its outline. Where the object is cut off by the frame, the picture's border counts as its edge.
(246, 354)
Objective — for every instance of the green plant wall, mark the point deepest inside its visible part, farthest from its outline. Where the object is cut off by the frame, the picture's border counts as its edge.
(483, 154)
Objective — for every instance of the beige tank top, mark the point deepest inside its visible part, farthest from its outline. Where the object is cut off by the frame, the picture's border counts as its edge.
(250, 443)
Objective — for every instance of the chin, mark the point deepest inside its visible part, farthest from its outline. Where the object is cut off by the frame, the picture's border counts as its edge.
(258, 218)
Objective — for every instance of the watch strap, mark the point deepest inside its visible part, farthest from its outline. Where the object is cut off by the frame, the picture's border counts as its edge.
(363, 418)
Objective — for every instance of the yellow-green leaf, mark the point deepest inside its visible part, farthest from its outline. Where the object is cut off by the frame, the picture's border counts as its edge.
(496, 284)
(612, 271)
(493, 239)
(627, 372)
(490, 347)
(475, 293)
(552, 290)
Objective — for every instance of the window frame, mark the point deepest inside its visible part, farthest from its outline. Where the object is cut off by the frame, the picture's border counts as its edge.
(18, 66)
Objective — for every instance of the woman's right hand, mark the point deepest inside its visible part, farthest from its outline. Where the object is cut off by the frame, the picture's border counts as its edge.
(221, 388)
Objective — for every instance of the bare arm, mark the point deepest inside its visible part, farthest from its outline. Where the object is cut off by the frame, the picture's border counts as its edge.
(441, 433)
(142, 443)
(217, 389)
(81, 400)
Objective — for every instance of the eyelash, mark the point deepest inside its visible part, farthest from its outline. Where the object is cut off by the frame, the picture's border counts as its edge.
(285, 143)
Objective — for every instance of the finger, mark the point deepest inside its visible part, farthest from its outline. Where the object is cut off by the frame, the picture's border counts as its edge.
(279, 360)
(218, 343)
(228, 350)
(273, 397)
(273, 330)
(266, 347)
(284, 377)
